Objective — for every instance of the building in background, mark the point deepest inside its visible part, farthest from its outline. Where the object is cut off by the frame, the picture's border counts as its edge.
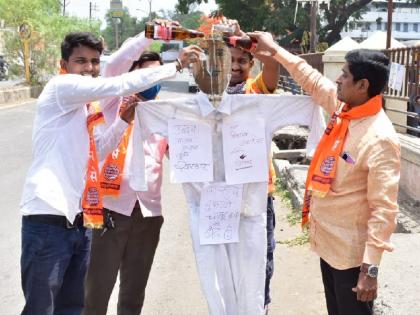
(405, 21)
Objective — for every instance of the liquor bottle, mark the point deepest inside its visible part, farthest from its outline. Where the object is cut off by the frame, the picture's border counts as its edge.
(156, 31)
(222, 29)
(246, 43)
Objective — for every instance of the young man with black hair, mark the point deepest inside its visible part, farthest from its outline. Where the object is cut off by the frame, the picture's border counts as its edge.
(266, 81)
(62, 182)
(129, 246)
(352, 184)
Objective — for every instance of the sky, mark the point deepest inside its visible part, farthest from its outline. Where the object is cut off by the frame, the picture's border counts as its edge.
(138, 8)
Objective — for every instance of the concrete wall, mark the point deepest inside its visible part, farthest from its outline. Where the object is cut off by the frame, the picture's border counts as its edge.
(397, 118)
(333, 63)
(410, 165)
(19, 94)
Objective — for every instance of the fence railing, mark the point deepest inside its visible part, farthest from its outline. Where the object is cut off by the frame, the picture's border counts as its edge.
(288, 84)
(410, 91)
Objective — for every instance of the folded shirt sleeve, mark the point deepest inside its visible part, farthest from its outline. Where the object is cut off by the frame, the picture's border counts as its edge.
(382, 194)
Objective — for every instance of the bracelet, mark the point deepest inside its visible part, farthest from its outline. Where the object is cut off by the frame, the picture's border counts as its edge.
(179, 66)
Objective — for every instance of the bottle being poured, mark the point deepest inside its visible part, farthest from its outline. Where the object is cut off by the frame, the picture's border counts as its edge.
(172, 32)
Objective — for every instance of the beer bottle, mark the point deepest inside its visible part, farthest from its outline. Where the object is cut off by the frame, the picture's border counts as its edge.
(223, 29)
(156, 31)
(245, 43)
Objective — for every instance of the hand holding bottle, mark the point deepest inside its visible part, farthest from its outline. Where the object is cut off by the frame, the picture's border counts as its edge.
(189, 55)
(265, 44)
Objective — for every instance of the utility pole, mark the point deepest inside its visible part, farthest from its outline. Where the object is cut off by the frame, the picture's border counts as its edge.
(150, 10)
(92, 8)
(117, 32)
(389, 24)
(64, 4)
(313, 38)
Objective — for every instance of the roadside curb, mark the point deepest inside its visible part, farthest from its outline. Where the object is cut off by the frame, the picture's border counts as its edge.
(19, 94)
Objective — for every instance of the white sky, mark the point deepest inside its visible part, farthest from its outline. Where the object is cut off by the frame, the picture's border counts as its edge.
(138, 8)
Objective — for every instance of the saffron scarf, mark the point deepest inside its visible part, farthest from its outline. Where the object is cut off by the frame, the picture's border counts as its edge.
(112, 170)
(92, 195)
(323, 167)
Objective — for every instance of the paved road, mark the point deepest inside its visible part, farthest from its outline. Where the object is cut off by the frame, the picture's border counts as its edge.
(173, 287)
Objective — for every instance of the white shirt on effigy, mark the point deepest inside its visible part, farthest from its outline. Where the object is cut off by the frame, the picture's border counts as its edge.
(276, 111)
(56, 178)
(154, 147)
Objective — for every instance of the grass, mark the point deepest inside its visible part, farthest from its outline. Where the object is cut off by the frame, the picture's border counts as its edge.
(293, 217)
(301, 239)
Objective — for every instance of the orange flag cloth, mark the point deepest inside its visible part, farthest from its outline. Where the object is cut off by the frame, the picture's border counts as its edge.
(93, 216)
(92, 196)
(323, 167)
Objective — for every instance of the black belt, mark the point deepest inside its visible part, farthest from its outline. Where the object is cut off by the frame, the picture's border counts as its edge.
(57, 220)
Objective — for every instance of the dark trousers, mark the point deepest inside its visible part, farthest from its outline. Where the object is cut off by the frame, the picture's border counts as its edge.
(338, 284)
(130, 248)
(271, 245)
(53, 267)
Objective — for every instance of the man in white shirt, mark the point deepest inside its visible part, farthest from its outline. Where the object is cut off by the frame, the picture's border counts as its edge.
(55, 244)
(130, 244)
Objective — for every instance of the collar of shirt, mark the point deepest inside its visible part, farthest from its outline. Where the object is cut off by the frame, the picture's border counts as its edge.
(206, 107)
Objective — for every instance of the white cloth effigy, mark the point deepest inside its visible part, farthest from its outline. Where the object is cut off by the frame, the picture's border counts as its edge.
(232, 275)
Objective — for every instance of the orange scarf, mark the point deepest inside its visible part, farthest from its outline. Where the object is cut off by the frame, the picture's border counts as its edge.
(112, 170)
(323, 167)
(92, 195)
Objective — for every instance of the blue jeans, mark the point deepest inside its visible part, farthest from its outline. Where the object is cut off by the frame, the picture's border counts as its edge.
(53, 266)
(271, 245)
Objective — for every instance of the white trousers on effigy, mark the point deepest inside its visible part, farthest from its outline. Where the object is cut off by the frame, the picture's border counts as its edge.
(232, 275)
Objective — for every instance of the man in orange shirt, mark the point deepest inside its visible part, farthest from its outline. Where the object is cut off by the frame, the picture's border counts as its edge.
(352, 185)
(265, 82)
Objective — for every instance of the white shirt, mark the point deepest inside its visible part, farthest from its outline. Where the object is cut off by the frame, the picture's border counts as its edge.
(154, 147)
(55, 180)
(277, 111)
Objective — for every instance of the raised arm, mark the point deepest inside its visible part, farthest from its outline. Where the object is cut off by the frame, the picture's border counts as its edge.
(121, 60)
(270, 69)
(321, 89)
(73, 91)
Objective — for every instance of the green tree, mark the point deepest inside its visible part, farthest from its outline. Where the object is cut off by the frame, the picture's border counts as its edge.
(277, 15)
(48, 30)
(128, 26)
(190, 20)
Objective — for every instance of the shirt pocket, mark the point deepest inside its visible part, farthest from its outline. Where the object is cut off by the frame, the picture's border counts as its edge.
(346, 169)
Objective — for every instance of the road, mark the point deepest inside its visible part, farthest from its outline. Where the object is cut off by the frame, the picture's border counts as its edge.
(173, 287)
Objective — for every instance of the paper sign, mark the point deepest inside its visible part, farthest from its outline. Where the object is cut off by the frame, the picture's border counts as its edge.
(396, 76)
(245, 151)
(190, 151)
(220, 212)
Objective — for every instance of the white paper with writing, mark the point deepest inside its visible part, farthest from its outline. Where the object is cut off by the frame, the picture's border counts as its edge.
(190, 151)
(220, 212)
(396, 76)
(245, 151)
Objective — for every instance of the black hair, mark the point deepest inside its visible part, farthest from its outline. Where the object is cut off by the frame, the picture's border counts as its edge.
(371, 65)
(77, 39)
(146, 56)
(250, 56)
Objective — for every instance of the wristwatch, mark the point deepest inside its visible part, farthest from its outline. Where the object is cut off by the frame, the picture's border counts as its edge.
(370, 270)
